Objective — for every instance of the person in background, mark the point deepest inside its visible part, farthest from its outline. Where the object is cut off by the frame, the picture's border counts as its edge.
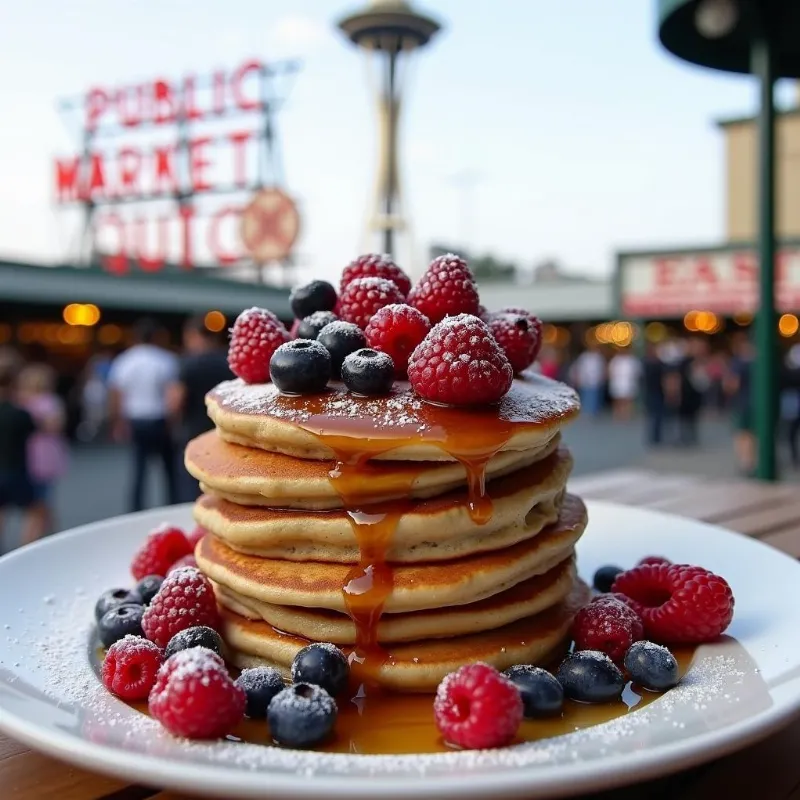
(588, 374)
(549, 363)
(790, 402)
(739, 388)
(48, 452)
(16, 487)
(624, 371)
(138, 413)
(694, 386)
(653, 394)
(203, 366)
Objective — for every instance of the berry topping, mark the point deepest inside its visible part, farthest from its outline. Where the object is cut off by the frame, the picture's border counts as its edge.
(130, 667)
(373, 265)
(396, 330)
(184, 600)
(608, 626)
(197, 636)
(255, 336)
(340, 339)
(301, 715)
(311, 325)
(312, 297)
(653, 560)
(196, 535)
(148, 587)
(114, 598)
(460, 363)
(120, 622)
(590, 677)
(368, 372)
(186, 561)
(477, 707)
(260, 684)
(300, 367)
(446, 289)
(195, 697)
(362, 297)
(520, 340)
(160, 550)
(605, 577)
(323, 665)
(652, 666)
(542, 695)
(620, 598)
(677, 602)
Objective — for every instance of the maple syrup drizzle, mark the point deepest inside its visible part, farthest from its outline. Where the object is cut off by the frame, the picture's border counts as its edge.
(470, 437)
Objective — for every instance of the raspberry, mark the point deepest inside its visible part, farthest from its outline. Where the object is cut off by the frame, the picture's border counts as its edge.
(160, 550)
(362, 297)
(447, 288)
(459, 362)
(186, 561)
(533, 321)
(483, 314)
(678, 602)
(195, 536)
(373, 265)
(195, 697)
(608, 626)
(611, 596)
(396, 330)
(130, 667)
(255, 336)
(477, 707)
(653, 560)
(184, 600)
(518, 338)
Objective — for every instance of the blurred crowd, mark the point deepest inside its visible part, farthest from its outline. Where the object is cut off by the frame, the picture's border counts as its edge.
(679, 382)
(149, 398)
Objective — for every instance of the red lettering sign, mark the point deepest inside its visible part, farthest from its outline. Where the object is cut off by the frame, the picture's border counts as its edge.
(224, 257)
(67, 179)
(237, 86)
(239, 141)
(198, 162)
(163, 103)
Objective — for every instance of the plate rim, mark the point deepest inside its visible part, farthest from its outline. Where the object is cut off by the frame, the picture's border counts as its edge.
(553, 781)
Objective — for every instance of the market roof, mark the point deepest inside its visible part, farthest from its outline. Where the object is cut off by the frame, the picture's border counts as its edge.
(182, 292)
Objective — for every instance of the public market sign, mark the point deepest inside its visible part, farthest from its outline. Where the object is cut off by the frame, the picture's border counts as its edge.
(158, 146)
(723, 281)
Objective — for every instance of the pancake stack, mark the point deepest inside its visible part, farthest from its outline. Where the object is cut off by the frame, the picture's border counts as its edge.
(415, 537)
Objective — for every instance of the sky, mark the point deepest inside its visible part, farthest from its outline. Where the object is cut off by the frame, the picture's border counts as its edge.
(574, 134)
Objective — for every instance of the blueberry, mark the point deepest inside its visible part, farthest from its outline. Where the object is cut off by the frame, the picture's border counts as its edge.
(341, 338)
(591, 677)
(301, 715)
(651, 665)
(605, 576)
(542, 695)
(314, 296)
(323, 665)
(300, 367)
(114, 598)
(368, 372)
(196, 636)
(311, 325)
(148, 587)
(260, 684)
(120, 622)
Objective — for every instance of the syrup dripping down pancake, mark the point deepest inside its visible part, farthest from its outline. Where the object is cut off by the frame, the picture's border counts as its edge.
(428, 530)
(419, 666)
(249, 476)
(523, 600)
(414, 586)
(398, 426)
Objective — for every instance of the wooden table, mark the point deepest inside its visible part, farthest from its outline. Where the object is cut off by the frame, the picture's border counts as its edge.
(769, 770)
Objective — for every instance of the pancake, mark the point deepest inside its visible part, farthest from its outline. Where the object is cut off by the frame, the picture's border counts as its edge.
(414, 587)
(419, 666)
(523, 600)
(250, 476)
(428, 530)
(399, 426)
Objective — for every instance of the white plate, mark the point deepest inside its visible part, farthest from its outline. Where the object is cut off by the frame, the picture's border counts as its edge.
(737, 690)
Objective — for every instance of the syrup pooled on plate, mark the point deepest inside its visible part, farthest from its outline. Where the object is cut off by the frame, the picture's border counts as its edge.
(402, 724)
